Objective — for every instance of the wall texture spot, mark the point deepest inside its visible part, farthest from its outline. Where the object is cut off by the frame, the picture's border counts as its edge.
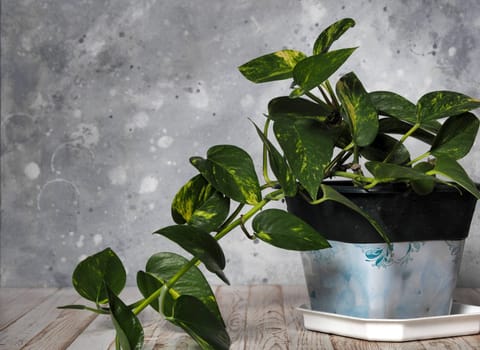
(32, 170)
(148, 185)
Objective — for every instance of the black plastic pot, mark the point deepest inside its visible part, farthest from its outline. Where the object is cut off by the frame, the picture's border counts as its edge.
(445, 214)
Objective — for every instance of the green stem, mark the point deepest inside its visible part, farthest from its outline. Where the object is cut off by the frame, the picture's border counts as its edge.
(338, 160)
(257, 207)
(332, 94)
(355, 177)
(316, 99)
(356, 155)
(420, 157)
(232, 216)
(401, 141)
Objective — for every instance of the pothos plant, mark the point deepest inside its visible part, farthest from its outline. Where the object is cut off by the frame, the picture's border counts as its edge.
(320, 131)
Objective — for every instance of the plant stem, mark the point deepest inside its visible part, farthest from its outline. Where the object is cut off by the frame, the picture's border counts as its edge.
(356, 155)
(249, 214)
(355, 177)
(420, 157)
(316, 99)
(401, 141)
(232, 217)
(332, 94)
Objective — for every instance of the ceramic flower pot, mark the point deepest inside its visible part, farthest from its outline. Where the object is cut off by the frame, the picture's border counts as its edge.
(363, 276)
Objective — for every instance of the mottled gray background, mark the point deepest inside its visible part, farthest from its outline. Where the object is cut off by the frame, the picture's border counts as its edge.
(104, 101)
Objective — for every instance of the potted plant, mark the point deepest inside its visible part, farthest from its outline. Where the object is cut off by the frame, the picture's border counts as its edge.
(321, 132)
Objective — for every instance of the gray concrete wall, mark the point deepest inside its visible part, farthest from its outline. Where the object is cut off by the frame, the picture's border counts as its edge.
(103, 102)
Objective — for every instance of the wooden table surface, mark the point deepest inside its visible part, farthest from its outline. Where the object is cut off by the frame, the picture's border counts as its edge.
(258, 317)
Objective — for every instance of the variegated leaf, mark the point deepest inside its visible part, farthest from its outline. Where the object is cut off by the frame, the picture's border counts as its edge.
(308, 149)
(91, 274)
(358, 107)
(442, 104)
(284, 230)
(199, 204)
(274, 66)
(331, 34)
(314, 70)
(231, 171)
(456, 136)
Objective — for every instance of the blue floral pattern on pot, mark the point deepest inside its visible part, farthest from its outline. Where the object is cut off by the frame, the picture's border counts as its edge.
(386, 255)
(408, 279)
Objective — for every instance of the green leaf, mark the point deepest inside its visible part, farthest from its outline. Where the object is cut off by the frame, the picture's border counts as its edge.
(308, 149)
(165, 265)
(331, 34)
(388, 172)
(393, 105)
(231, 171)
(381, 147)
(284, 230)
(361, 112)
(330, 194)
(200, 244)
(456, 136)
(423, 187)
(274, 66)
(441, 104)
(279, 166)
(314, 70)
(128, 327)
(396, 126)
(200, 205)
(191, 314)
(297, 108)
(91, 274)
(451, 169)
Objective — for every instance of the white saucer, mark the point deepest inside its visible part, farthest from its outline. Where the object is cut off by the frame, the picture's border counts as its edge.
(464, 320)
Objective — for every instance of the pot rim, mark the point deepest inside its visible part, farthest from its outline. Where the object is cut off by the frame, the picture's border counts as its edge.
(346, 186)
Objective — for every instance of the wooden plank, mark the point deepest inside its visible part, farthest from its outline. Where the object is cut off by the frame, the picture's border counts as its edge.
(449, 344)
(473, 341)
(298, 336)
(61, 332)
(265, 326)
(16, 302)
(165, 335)
(232, 301)
(26, 327)
(409, 345)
